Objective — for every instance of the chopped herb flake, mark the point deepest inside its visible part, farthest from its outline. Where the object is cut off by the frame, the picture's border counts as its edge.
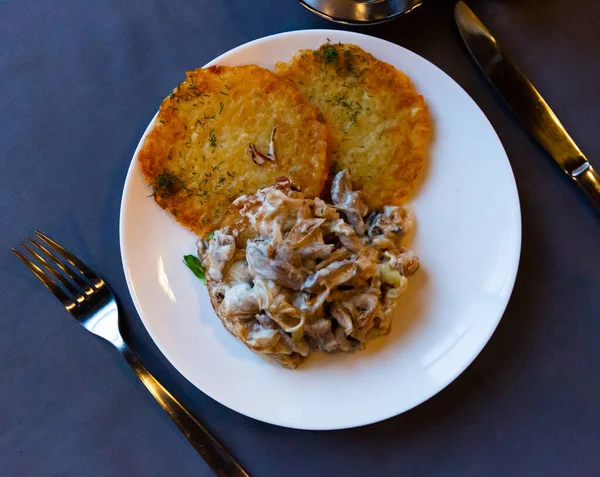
(167, 184)
(212, 139)
(328, 53)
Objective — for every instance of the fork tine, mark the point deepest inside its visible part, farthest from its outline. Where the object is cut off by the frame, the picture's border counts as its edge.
(73, 260)
(53, 287)
(65, 283)
(76, 277)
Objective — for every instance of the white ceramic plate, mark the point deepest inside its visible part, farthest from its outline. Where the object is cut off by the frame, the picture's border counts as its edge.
(468, 238)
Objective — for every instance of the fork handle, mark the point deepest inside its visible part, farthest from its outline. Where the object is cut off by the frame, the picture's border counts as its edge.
(215, 455)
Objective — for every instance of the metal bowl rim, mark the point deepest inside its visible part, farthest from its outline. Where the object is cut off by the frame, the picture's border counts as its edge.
(358, 22)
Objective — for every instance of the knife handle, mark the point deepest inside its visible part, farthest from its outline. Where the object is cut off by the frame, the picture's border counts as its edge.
(589, 182)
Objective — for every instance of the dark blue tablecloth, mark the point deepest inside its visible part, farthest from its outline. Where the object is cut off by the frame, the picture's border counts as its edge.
(80, 81)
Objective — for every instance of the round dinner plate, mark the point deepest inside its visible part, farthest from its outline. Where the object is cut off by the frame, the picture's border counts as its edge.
(468, 238)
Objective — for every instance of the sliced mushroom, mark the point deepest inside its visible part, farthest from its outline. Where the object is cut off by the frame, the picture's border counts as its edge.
(345, 293)
(387, 310)
(345, 314)
(304, 232)
(407, 262)
(367, 305)
(349, 202)
(238, 272)
(285, 184)
(260, 338)
(402, 216)
(272, 144)
(239, 303)
(301, 347)
(339, 227)
(315, 251)
(266, 322)
(325, 211)
(285, 253)
(280, 272)
(339, 254)
(367, 260)
(260, 158)
(331, 276)
(351, 242)
(221, 249)
(286, 344)
(363, 332)
(382, 243)
(345, 343)
(346, 235)
(319, 336)
(381, 225)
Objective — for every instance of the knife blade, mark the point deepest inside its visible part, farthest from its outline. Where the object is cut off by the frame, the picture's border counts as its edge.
(526, 102)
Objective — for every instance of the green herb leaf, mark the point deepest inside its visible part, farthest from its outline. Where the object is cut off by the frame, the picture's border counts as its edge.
(210, 235)
(195, 265)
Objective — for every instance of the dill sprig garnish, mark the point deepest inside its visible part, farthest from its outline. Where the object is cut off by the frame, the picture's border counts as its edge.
(167, 184)
(212, 139)
(328, 53)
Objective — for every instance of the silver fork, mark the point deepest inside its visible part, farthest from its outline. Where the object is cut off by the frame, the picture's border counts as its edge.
(90, 301)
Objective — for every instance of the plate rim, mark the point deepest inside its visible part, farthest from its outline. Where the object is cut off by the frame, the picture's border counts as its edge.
(357, 421)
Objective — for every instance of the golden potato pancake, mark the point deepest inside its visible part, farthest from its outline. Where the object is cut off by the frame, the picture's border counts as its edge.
(379, 126)
(227, 131)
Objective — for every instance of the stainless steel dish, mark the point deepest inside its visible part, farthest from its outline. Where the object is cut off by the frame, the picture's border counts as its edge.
(360, 12)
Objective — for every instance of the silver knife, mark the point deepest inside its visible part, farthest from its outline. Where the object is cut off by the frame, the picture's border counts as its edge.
(526, 102)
